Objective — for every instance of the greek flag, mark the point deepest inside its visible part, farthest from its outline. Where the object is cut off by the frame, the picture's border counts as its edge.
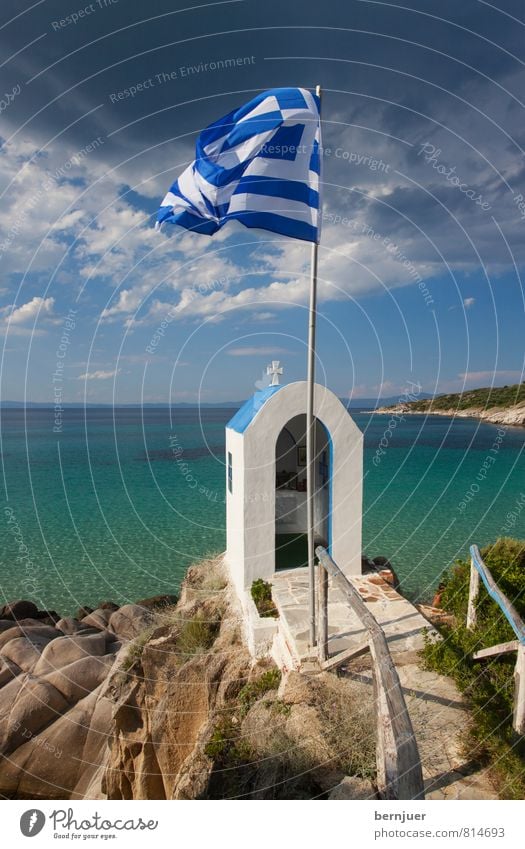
(259, 165)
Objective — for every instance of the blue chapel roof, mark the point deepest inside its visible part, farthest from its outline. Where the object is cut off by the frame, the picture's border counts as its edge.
(246, 414)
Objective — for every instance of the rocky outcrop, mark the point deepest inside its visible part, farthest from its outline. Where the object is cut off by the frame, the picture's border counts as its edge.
(301, 740)
(55, 716)
(509, 416)
(164, 701)
(15, 611)
(382, 569)
(435, 615)
(192, 665)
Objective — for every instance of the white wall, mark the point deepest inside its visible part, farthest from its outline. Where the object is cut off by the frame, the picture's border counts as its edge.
(251, 554)
(235, 508)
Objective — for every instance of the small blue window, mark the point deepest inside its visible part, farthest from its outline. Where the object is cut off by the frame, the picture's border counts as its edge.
(230, 474)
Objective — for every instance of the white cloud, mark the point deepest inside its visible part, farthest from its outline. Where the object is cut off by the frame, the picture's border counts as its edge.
(99, 375)
(28, 312)
(385, 389)
(263, 316)
(94, 226)
(92, 231)
(491, 377)
(266, 351)
(476, 379)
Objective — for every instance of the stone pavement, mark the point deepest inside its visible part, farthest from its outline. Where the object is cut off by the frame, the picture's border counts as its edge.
(400, 620)
(435, 705)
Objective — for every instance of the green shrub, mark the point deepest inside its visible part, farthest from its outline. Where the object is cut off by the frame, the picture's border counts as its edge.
(253, 691)
(135, 649)
(488, 685)
(232, 757)
(235, 762)
(262, 596)
(224, 745)
(196, 637)
(280, 708)
(222, 740)
(506, 561)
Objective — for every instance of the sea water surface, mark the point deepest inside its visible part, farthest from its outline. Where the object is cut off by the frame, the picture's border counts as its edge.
(121, 501)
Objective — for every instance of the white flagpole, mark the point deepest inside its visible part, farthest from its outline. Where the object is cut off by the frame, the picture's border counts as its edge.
(310, 432)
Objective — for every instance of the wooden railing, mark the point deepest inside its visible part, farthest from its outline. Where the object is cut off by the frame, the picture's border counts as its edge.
(399, 774)
(478, 569)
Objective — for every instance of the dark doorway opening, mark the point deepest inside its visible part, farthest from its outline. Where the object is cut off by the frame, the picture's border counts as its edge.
(291, 545)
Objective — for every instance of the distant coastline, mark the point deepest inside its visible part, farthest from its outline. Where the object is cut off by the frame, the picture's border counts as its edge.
(501, 405)
(94, 405)
(352, 403)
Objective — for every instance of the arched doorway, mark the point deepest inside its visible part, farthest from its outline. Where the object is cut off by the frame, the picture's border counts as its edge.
(291, 543)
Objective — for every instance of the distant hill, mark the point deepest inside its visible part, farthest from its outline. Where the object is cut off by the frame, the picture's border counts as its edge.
(482, 399)
(503, 405)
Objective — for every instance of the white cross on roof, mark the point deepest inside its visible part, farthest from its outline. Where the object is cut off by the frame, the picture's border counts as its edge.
(274, 371)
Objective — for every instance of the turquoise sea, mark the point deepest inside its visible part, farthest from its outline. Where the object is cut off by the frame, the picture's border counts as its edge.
(121, 501)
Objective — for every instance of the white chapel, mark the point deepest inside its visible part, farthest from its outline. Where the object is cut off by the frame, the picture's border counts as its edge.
(266, 493)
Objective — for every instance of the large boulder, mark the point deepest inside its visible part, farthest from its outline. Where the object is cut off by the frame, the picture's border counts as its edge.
(156, 601)
(53, 726)
(76, 680)
(10, 634)
(66, 650)
(98, 619)
(24, 652)
(23, 624)
(8, 670)
(50, 763)
(8, 695)
(128, 621)
(20, 609)
(36, 705)
(68, 625)
(50, 617)
(39, 634)
(94, 753)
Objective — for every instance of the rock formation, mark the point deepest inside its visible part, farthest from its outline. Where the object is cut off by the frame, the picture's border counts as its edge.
(162, 701)
(54, 719)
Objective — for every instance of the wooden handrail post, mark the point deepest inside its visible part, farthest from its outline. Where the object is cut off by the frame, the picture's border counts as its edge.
(496, 651)
(507, 608)
(399, 774)
(519, 692)
(472, 595)
(322, 613)
(479, 569)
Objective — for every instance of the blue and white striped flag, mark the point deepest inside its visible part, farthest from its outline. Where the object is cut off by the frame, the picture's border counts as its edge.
(259, 165)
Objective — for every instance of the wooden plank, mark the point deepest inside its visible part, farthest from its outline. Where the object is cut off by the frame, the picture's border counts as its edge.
(472, 595)
(399, 773)
(403, 778)
(518, 722)
(342, 656)
(508, 609)
(501, 648)
(322, 614)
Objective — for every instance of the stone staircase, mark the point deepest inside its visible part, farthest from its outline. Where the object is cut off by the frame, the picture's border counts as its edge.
(436, 708)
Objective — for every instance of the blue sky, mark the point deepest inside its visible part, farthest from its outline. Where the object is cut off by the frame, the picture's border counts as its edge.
(419, 271)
